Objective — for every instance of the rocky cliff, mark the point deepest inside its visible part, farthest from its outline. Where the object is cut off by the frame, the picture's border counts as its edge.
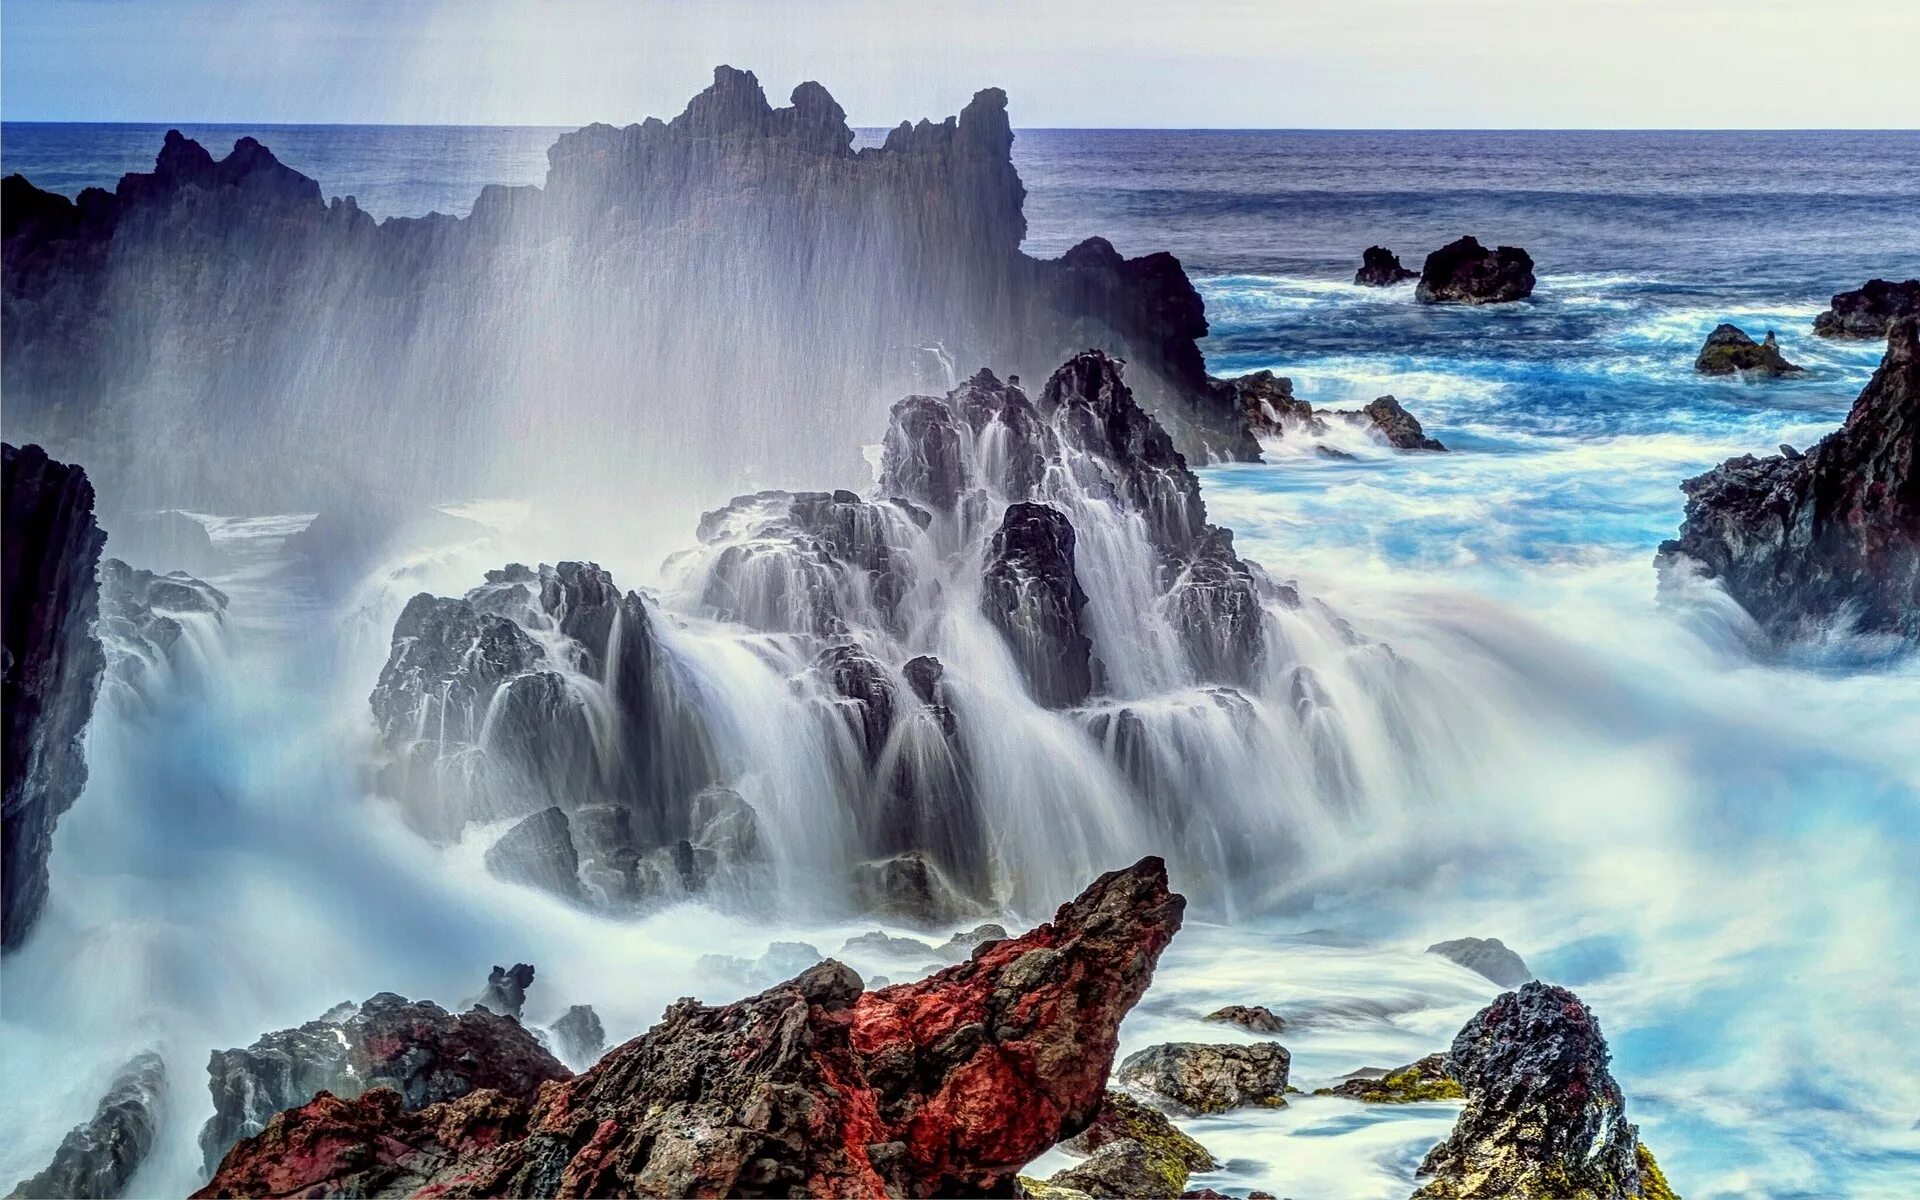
(1831, 536)
(52, 666)
(736, 292)
(945, 1087)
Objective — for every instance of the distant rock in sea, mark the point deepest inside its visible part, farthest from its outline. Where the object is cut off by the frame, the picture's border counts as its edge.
(1869, 311)
(1730, 351)
(1465, 272)
(1380, 267)
(1485, 956)
(1830, 537)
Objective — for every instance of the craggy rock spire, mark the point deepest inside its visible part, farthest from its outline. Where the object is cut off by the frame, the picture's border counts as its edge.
(53, 661)
(681, 288)
(945, 1087)
(1805, 541)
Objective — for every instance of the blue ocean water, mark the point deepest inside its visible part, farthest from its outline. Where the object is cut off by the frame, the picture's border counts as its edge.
(1717, 849)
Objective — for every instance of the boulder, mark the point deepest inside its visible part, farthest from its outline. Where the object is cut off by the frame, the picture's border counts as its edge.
(97, 1160)
(1485, 956)
(538, 852)
(1869, 311)
(417, 1049)
(946, 1086)
(1543, 1115)
(1031, 594)
(1829, 538)
(1211, 1078)
(1400, 428)
(1125, 1170)
(1729, 351)
(1412, 1084)
(53, 663)
(910, 887)
(1465, 272)
(1380, 267)
(1123, 1118)
(579, 1036)
(1255, 1018)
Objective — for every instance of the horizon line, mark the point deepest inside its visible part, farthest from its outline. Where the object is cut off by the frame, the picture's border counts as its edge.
(228, 122)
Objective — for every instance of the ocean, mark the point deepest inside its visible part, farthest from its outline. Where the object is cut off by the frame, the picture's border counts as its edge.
(1716, 849)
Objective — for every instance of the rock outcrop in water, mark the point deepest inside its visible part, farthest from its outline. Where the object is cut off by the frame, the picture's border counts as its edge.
(1730, 351)
(739, 257)
(1830, 537)
(1380, 267)
(942, 1087)
(1273, 411)
(142, 621)
(97, 1160)
(1869, 311)
(53, 665)
(1211, 1078)
(418, 1052)
(1035, 599)
(1544, 1116)
(1488, 957)
(1465, 272)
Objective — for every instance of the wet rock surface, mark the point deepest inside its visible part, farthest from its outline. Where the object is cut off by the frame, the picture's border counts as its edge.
(1869, 311)
(1414, 1083)
(1380, 267)
(97, 1160)
(579, 1036)
(1489, 957)
(1830, 538)
(1730, 351)
(419, 1050)
(1465, 272)
(1543, 1113)
(53, 663)
(945, 1086)
(1124, 1118)
(1211, 1078)
(1032, 594)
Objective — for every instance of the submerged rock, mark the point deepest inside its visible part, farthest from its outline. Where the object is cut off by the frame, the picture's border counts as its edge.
(415, 1048)
(1380, 267)
(1829, 538)
(1255, 1018)
(1465, 272)
(97, 1160)
(51, 548)
(1412, 1084)
(1211, 1078)
(1869, 311)
(1543, 1116)
(942, 1087)
(1485, 956)
(579, 1036)
(1729, 351)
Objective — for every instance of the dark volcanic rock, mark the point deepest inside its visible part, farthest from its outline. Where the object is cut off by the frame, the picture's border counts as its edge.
(942, 1087)
(539, 852)
(1123, 1118)
(1729, 351)
(53, 664)
(579, 1035)
(1268, 404)
(96, 1161)
(1485, 956)
(140, 622)
(1544, 1116)
(911, 887)
(1870, 311)
(1412, 1084)
(1380, 267)
(1397, 425)
(1257, 1018)
(1465, 272)
(1032, 595)
(1210, 1078)
(1215, 605)
(1831, 536)
(418, 1049)
(506, 990)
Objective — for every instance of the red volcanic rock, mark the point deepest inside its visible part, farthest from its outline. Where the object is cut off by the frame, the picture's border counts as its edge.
(943, 1087)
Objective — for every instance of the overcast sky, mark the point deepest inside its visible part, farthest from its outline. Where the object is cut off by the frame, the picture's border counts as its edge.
(1251, 64)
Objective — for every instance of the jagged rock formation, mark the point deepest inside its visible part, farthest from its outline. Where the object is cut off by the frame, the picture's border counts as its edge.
(1380, 267)
(97, 1160)
(1869, 311)
(1829, 537)
(1729, 351)
(506, 990)
(1271, 410)
(141, 622)
(1544, 1116)
(1133, 1150)
(942, 1087)
(1485, 956)
(739, 251)
(1211, 1078)
(1412, 1084)
(1034, 597)
(1394, 424)
(1465, 272)
(579, 1036)
(1255, 1018)
(420, 1052)
(53, 664)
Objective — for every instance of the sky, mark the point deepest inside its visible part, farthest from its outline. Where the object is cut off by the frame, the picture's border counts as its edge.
(1064, 63)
